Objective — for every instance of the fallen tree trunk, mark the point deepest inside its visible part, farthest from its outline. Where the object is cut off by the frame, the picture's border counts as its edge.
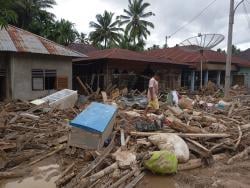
(196, 163)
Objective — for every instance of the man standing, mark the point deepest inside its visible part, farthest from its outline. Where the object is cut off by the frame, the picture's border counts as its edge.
(153, 90)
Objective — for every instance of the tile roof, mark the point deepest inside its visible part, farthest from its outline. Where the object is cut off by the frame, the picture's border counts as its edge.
(13, 39)
(117, 53)
(82, 48)
(179, 55)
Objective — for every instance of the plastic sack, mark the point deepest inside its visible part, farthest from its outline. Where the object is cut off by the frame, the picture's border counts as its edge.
(173, 143)
(162, 162)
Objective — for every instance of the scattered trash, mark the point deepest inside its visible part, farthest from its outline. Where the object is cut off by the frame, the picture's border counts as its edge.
(162, 162)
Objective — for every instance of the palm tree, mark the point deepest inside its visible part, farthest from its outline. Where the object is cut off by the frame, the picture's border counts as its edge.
(134, 18)
(6, 13)
(82, 38)
(63, 32)
(105, 31)
(27, 10)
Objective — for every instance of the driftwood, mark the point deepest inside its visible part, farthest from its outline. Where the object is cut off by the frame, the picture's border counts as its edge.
(184, 135)
(85, 182)
(135, 180)
(240, 156)
(177, 125)
(61, 179)
(65, 179)
(82, 85)
(124, 178)
(30, 116)
(60, 148)
(196, 163)
(6, 175)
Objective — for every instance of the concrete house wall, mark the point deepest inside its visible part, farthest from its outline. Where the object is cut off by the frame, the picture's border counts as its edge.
(21, 73)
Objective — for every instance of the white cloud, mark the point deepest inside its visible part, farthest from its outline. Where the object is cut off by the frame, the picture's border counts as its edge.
(170, 15)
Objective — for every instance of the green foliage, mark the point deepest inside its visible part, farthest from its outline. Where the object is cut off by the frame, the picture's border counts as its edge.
(137, 27)
(106, 33)
(7, 15)
(82, 38)
(235, 50)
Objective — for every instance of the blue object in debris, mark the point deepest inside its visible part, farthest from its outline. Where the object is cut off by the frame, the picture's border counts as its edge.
(95, 118)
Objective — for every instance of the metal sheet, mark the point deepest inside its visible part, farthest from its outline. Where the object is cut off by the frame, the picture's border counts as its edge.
(13, 39)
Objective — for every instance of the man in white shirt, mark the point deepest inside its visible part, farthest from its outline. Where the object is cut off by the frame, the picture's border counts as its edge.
(153, 91)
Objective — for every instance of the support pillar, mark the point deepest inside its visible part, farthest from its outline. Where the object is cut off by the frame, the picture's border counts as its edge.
(192, 80)
(218, 78)
(206, 78)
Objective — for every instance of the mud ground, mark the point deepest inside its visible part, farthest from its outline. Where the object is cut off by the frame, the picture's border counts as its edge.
(219, 175)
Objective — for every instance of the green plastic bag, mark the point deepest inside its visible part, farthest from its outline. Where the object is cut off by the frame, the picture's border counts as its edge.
(162, 162)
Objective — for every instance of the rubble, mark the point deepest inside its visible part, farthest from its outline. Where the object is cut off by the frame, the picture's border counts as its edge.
(30, 134)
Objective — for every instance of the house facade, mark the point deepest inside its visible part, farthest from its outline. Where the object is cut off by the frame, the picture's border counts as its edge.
(204, 66)
(32, 66)
(125, 68)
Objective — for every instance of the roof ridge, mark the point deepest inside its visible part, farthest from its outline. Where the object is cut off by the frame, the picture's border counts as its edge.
(23, 30)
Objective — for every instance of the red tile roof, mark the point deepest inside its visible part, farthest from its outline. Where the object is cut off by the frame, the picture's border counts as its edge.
(117, 53)
(180, 55)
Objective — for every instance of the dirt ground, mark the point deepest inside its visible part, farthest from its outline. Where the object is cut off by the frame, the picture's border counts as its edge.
(219, 175)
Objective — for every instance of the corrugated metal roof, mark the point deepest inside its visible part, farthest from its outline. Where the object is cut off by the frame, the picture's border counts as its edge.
(13, 39)
(178, 54)
(117, 53)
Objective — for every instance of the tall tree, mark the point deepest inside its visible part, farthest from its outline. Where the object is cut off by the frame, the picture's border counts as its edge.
(6, 13)
(235, 50)
(106, 32)
(137, 27)
(63, 32)
(82, 38)
(27, 10)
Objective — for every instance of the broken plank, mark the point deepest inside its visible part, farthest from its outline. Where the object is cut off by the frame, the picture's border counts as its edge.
(82, 85)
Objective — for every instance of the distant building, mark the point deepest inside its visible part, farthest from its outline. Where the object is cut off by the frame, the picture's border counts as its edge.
(125, 68)
(213, 66)
(32, 66)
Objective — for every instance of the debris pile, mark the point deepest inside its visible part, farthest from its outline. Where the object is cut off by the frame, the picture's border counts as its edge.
(196, 132)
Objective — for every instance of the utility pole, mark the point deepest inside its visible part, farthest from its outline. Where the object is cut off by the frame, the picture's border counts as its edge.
(229, 49)
(229, 46)
(167, 37)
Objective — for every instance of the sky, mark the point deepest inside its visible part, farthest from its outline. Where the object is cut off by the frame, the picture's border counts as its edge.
(170, 15)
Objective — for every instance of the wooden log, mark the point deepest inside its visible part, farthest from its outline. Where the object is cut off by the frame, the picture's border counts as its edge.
(82, 85)
(123, 179)
(135, 180)
(7, 175)
(196, 163)
(65, 179)
(59, 181)
(85, 182)
(177, 125)
(184, 135)
(30, 116)
(240, 156)
(197, 144)
(58, 149)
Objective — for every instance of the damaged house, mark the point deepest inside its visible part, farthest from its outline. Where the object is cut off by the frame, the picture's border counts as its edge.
(32, 66)
(213, 66)
(125, 68)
